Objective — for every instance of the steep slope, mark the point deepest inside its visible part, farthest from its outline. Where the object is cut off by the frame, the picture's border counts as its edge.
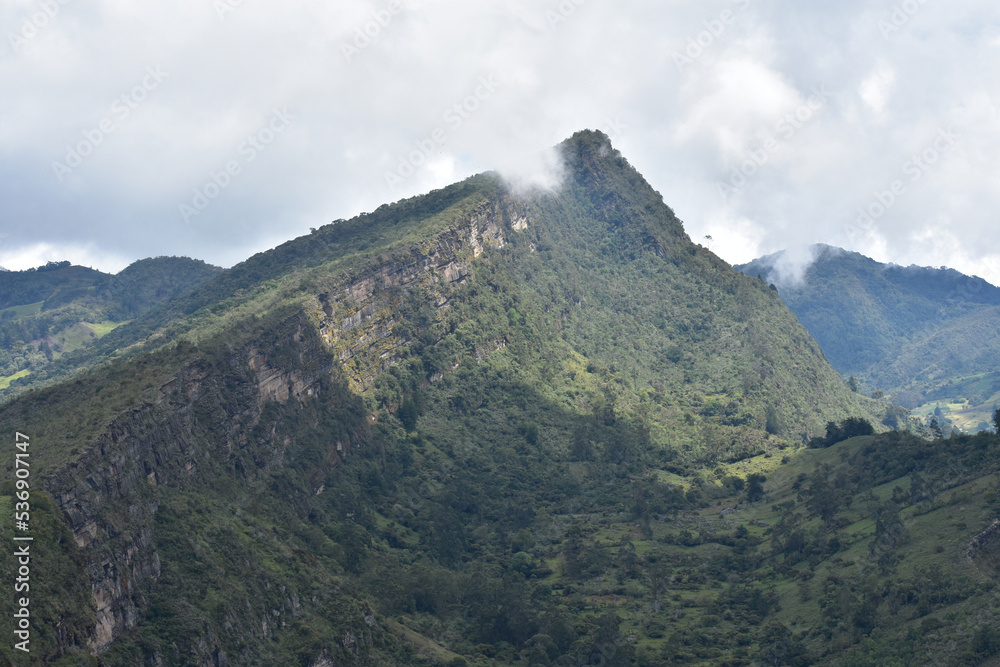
(399, 435)
(909, 330)
(879, 550)
(343, 244)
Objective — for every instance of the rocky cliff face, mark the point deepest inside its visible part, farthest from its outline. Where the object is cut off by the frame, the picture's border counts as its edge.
(356, 318)
(109, 495)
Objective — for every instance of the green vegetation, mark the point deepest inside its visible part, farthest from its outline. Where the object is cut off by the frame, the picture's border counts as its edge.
(852, 427)
(921, 334)
(472, 541)
(22, 311)
(5, 381)
(589, 448)
(78, 306)
(278, 277)
(61, 607)
(966, 403)
(51, 282)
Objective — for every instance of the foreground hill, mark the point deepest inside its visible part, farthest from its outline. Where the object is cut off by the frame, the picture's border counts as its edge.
(923, 334)
(50, 312)
(447, 432)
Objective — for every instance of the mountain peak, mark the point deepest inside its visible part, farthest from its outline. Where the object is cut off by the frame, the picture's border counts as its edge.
(588, 147)
(587, 138)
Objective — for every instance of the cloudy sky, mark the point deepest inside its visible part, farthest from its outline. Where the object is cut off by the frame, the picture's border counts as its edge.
(218, 128)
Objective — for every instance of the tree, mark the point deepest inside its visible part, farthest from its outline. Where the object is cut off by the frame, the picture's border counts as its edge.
(895, 417)
(755, 487)
(521, 562)
(855, 426)
(996, 419)
(610, 646)
(778, 646)
(530, 433)
(986, 641)
(408, 414)
(825, 499)
(849, 428)
(772, 423)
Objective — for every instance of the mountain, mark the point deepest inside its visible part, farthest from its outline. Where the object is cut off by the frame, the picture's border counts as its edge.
(923, 334)
(50, 312)
(52, 281)
(473, 427)
(144, 284)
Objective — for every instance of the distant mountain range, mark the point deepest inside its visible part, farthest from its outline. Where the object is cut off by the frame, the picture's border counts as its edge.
(48, 313)
(924, 335)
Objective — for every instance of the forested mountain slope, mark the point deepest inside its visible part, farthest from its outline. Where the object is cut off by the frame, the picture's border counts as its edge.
(920, 333)
(453, 430)
(48, 313)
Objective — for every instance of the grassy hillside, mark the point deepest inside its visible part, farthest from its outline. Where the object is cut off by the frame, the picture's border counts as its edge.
(471, 428)
(967, 402)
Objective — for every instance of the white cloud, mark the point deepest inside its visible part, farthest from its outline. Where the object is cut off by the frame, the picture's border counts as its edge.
(561, 66)
(39, 254)
(876, 89)
(738, 240)
(790, 267)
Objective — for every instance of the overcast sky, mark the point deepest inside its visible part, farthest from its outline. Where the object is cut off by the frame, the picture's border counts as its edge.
(219, 128)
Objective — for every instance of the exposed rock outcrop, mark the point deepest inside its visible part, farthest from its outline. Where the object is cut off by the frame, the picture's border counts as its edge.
(357, 318)
(984, 541)
(109, 494)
